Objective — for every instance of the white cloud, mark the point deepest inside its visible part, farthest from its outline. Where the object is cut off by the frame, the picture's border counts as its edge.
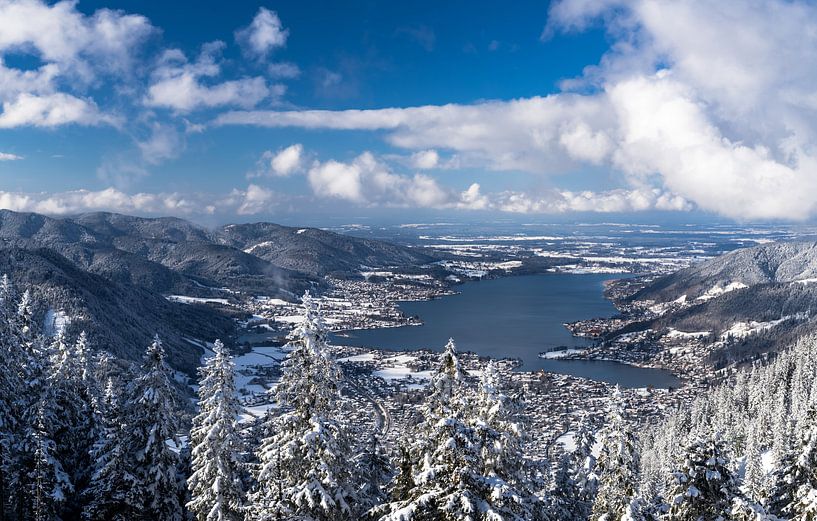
(178, 84)
(254, 199)
(425, 159)
(75, 50)
(51, 110)
(524, 134)
(264, 34)
(713, 102)
(284, 162)
(164, 142)
(610, 201)
(284, 70)
(120, 172)
(366, 181)
(6, 156)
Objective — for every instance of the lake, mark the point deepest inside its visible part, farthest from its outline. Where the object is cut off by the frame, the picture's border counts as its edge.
(514, 317)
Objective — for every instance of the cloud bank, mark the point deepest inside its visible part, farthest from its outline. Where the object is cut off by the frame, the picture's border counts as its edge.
(713, 103)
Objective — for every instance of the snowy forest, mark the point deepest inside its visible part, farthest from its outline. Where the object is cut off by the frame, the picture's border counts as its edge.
(86, 436)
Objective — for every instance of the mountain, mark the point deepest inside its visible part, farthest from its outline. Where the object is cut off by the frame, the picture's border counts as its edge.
(121, 318)
(763, 298)
(314, 251)
(767, 263)
(170, 255)
(111, 272)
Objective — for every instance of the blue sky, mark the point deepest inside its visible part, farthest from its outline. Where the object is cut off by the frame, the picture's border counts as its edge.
(317, 111)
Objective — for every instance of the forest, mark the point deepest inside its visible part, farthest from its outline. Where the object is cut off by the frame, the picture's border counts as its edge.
(86, 436)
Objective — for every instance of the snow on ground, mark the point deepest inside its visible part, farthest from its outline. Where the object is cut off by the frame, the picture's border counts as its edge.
(805, 281)
(578, 269)
(744, 329)
(567, 441)
(366, 357)
(398, 370)
(259, 245)
(250, 366)
(273, 301)
(496, 238)
(674, 333)
(55, 322)
(183, 299)
(717, 290)
(562, 353)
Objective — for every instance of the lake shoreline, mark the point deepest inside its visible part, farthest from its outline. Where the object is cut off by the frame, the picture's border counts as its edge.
(521, 298)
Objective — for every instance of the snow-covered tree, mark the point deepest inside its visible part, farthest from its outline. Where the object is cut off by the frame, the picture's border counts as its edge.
(703, 487)
(576, 482)
(110, 493)
(152, 423)
(617, 467)
(375, 470)
(465, 459)
(305, 471)
(215, 482)
(49, 484)
(509, 480)
(795, 486)
(68, 392)
(11, 390)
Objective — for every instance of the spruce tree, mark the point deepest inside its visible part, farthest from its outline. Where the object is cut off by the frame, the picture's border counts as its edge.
(152, 425)
(617, 467)
(703, 487)
(49, 484)
(305, 471)
(795, 492)
(465, 456)
(110, 493)
(215, 482)
(68, 391)
(11, 390)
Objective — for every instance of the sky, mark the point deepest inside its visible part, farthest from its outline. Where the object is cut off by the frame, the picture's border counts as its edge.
(324, 112)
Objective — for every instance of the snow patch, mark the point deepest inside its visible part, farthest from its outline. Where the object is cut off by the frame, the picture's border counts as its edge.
(717, 290)
(55, 322)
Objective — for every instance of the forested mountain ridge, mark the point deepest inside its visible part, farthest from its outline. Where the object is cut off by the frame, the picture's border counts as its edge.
(109, 272)
(743, 304)
(171, 255)
(315, 251)
(777, 262)
(117, 316)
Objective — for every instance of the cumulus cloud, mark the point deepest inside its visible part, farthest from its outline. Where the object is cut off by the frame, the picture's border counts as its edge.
(425, 159)
(6, 156)
(186, 86)
(712, 102)
(368, 181)
(254, 199)
(264, 34)
(51, 110)
(609, 201)
(75, 50)
(282, 163)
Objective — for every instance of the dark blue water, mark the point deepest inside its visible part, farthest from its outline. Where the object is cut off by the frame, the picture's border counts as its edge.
(514, 317)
